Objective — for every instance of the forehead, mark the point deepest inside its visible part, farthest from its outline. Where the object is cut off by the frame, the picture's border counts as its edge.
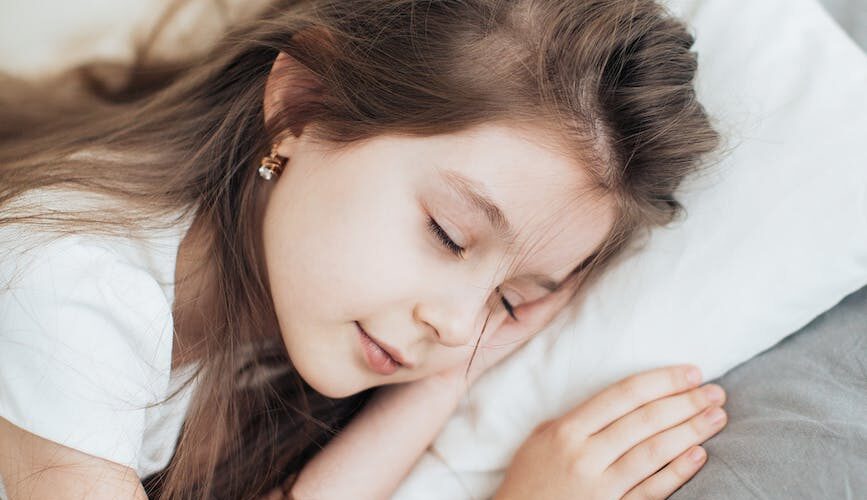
(545, 197)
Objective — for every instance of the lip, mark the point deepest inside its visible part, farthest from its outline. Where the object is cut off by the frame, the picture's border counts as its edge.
(395, 354)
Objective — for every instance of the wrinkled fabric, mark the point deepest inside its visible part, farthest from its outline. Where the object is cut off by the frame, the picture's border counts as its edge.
(797, 423)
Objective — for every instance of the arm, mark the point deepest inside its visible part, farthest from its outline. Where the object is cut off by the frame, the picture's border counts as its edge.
(34, 468)
(370, 457)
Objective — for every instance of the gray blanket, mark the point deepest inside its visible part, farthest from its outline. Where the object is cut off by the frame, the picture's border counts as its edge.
(797, 425)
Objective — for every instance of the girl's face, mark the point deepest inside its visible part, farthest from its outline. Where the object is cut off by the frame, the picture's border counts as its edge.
(348, 240)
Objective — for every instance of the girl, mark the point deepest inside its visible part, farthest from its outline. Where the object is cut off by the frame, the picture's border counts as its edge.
(342, 195)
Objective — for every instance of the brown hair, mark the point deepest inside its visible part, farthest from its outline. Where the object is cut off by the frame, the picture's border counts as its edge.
(611, 79)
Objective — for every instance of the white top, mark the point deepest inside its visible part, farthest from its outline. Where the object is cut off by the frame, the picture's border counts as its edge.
(86, 343)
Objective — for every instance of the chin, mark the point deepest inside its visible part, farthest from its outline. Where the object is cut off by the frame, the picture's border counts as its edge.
(325, 372)
(334, 392)
(332, 385)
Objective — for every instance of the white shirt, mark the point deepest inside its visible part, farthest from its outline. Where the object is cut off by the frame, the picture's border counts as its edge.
(86, 343)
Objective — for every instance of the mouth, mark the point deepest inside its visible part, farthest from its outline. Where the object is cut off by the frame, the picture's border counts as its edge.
(380, 357)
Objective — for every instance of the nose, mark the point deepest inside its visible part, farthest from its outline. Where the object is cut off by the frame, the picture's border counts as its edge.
(457, 318)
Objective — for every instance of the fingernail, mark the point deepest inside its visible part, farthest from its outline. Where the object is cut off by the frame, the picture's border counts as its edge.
(715, 415)
(697, 454)
(693, 375)
(714, 393)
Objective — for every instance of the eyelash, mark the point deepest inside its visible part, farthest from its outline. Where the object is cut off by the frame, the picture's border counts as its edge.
(458, 251)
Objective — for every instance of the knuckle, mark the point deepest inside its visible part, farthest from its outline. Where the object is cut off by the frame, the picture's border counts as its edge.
(677, 378)
(722, 394)
(698, 400)
(647, 417)
(630, 388)
(563, 432)
(654, 450)
(717, 426)
(698, 426)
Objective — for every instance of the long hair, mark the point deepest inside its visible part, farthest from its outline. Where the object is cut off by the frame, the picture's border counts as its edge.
(612, 80)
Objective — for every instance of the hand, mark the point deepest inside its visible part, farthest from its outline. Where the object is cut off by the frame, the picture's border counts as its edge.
(630, 441)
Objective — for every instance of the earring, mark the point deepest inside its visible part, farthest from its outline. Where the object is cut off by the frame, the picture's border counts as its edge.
(272, 165)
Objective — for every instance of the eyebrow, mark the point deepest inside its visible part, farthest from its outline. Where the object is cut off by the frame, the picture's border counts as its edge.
(475, 196)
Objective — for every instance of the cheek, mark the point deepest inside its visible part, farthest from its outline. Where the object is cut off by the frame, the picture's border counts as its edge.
(308, 272)
(446, 358)
(343, 255)
(302, 256)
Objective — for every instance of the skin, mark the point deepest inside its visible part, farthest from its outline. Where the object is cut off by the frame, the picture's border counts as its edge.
(345, 239)
(34, 468)
(633, 440)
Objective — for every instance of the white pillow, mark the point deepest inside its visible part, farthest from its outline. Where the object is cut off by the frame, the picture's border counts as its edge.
(775, 235)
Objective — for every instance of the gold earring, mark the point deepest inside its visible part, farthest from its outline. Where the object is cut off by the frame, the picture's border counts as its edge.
(272, 165)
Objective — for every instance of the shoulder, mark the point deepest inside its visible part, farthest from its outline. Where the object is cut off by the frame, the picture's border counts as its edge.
(85, 343)
(79, 278)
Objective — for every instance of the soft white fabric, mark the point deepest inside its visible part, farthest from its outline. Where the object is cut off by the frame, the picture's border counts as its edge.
(86, 339)
(775, 235)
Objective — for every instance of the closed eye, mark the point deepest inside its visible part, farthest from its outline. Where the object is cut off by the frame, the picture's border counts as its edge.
(458, 251)
(509, 307)
(444, 238)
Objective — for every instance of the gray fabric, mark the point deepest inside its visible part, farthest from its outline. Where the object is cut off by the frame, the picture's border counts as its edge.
(797, 425)
(852, 17)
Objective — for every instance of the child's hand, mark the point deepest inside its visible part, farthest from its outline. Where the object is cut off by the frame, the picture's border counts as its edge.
(631, 440)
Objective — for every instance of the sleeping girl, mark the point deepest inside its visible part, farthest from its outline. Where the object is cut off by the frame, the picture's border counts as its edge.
(277, 272)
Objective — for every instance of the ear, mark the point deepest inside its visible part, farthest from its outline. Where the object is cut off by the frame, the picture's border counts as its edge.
(287, 83)
(291, 86)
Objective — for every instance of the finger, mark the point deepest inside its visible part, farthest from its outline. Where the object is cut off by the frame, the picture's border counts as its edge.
(652, 454)
(630, 430)
(670, 478)
(628, 394)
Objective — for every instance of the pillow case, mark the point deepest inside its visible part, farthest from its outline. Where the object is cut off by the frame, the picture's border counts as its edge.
(776, 234)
